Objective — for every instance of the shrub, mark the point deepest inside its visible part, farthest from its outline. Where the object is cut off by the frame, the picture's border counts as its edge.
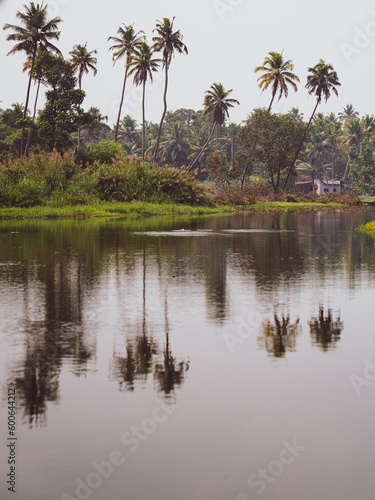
(233, 197)
(126, 180)
(290, 198)
(105, 152)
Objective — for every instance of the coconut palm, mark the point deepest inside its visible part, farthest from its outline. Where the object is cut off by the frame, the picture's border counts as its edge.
(125, 44)
(82, 61)
(175, 148)
(321, 81)
(216, 101)
(168, 42)
(96, 125)
(36, 33)
(142, 66)
(277, 73)
(348, 112)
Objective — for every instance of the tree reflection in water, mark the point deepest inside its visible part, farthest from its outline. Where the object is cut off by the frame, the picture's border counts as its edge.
(169, 374)
(324, 330)
(143, 357)
(279, 337)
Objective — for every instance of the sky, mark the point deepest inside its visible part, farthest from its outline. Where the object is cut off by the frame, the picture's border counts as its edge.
(226, 40)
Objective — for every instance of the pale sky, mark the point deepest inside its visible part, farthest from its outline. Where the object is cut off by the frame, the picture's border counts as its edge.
(226, 39)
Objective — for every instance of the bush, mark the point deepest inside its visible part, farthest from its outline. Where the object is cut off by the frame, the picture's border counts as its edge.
(233, 197)
(290, 198)
(126, 180)
(104, 152)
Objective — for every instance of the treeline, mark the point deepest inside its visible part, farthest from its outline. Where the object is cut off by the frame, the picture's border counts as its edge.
(271, 147)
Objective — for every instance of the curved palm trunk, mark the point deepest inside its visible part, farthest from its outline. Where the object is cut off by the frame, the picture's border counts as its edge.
(300, 145)
(143, 121)
(163, 115)
(204, 147)
(34, 114)
(122, 99)
(27, 98)
(273, 97)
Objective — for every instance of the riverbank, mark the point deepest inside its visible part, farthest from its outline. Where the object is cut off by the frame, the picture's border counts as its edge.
(143, 209)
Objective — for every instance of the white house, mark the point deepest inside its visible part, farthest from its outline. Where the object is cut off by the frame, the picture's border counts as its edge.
(319, 186)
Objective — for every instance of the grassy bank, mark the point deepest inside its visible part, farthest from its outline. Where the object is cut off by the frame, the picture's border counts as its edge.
(368, 228)
(144, 209)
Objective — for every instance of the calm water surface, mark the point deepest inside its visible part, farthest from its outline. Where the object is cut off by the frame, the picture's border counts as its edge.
(217, 358)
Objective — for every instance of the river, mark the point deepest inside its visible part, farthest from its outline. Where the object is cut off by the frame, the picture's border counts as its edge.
(190, 358)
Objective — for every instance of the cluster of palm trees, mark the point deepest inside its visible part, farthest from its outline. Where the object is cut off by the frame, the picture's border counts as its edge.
(142, 60)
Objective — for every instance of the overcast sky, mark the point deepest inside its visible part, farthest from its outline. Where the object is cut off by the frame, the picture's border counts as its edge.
(226, 40)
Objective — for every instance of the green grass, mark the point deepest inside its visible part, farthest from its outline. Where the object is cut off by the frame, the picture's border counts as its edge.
(368, 228)
(367, 198)
(145, 209)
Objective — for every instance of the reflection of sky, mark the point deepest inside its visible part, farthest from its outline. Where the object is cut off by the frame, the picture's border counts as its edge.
(234, 409)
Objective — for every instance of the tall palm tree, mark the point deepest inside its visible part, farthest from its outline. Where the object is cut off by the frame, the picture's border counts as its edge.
(277, 73)
(142, 66)
(216, 101)
(168, 42)
(36, 33)
(125, 44)
(321, 81)
(82, 61)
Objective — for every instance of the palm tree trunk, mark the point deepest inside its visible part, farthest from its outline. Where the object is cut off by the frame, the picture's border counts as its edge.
(27, 98)
(273, 97)
(300, 145)
(79, 127)
(163, 115)
(122, 99)
(143, 121)
(34, 114)
(204, 147)
(346, 168)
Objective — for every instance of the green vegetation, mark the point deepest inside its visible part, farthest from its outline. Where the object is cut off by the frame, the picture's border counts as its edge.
(113, 163)
(368, 228)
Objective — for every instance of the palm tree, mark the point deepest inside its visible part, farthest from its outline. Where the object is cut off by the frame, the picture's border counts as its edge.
(352, 138)
(142, 66)
(216, 101)
(167, 42)
(96, 125)
(348, 112)
(82, 61)
(35, 34)
(321, 81)
(175, 148)
(277, 73)
(125, 44)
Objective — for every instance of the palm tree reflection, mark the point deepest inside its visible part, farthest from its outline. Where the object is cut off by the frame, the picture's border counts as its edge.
(279, 337)
(324, 330)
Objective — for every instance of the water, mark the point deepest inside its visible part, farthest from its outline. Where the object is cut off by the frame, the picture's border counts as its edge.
(223, 358)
